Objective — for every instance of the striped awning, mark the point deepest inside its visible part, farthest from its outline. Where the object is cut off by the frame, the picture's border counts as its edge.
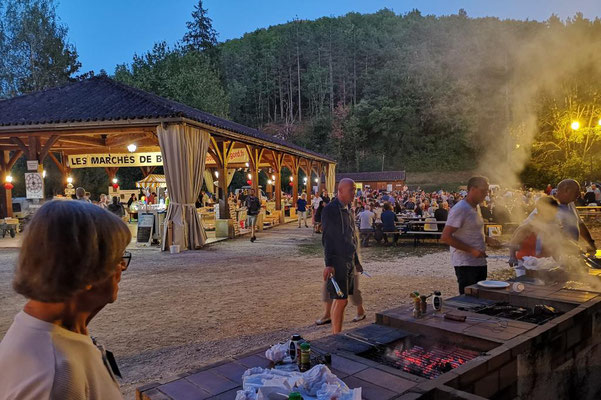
(152, 181)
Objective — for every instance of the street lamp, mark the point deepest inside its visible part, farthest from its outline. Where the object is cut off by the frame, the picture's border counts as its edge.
(132, 148)
(115, 180)
(8, 179)
(575, 125)
(216, 174)
(69, 180)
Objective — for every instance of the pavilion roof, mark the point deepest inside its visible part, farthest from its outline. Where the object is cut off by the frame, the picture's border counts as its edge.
(377, 176)
(101, 98)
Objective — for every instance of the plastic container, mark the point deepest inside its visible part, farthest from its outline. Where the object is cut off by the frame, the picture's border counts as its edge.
(437, 301)
(294, 349)
(295, 396)
(305, 356)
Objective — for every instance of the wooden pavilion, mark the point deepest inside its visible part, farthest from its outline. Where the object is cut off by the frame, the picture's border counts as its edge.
(103, 117)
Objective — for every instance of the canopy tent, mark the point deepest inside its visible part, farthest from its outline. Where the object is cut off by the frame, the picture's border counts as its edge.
(152, 181)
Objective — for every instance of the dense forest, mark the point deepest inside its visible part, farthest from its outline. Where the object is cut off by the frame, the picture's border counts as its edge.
(376, 91)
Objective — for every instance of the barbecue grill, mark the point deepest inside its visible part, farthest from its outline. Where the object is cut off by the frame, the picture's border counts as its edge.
(539, 315)
(419, 357)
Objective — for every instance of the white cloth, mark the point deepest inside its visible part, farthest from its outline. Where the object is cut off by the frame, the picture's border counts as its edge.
(315, 202)
(470, 230)
(366, 219)
(40, 361)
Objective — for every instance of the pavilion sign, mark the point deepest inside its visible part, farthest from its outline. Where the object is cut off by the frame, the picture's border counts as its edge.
(237, 156)
(115, 160)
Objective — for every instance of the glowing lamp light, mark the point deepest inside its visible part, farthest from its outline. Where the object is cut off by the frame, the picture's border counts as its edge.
(291, 179)
(305, 180)
(575, 125)
(273, 177)
(269, 181)
(316, 180)
(43, 173)
(250, 176)
(8, 182)
(69, 180)
(216, 174)
(131, 148)
(115, 180)
(246, 165)
(599, 121)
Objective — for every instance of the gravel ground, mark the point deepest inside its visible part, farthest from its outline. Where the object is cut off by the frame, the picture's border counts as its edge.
(178, 312)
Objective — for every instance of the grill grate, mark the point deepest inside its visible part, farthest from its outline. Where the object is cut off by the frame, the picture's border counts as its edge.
(429, 362)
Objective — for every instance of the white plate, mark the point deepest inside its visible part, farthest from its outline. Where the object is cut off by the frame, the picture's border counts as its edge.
(493, 284)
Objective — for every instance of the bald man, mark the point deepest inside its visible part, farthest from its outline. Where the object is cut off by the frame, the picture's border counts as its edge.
(569, 221)
(340, 249)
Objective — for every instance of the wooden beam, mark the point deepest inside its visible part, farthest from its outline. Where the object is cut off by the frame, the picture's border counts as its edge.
(80, 132)
(20, 143)
(57, 162)
(13, 159)
(49, 143)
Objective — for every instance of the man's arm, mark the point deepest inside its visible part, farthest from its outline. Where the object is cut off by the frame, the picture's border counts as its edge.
(448, 238)
(328, 238)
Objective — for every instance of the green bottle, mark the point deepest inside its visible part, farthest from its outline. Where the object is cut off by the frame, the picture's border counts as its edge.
(294, 396)
(305, 356)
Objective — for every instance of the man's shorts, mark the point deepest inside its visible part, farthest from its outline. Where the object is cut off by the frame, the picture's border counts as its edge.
(252, 220)
(345, 277)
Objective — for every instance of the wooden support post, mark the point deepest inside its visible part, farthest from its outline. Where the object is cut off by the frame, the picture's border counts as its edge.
(220, 151)
(6, 198)
(255, 154)
(277, 163)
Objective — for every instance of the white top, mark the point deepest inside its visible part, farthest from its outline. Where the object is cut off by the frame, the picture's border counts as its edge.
(470, 230)
(315, 202)
(366, 219)
(567, 218)
(43, 361)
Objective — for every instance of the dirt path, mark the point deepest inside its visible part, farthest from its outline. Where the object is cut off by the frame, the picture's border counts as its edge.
(179, 312)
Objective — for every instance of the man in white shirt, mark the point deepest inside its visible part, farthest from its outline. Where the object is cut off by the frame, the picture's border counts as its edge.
(570, 223)
(464, 233)
(366, 225)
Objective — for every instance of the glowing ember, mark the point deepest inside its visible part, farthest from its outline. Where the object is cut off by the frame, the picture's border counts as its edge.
(429, 363)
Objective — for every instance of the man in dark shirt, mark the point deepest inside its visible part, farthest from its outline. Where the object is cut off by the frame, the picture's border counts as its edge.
(325, 197)
(253, 208)
(340, 249)
(441, 214)
(389, 218)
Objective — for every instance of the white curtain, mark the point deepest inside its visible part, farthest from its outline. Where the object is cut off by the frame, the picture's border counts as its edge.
(184, 149)
(331, 179)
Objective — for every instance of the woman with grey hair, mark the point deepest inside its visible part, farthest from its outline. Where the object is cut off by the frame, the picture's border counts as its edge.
(69, 268)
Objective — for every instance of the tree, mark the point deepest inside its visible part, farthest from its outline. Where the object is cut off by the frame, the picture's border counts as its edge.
(182, 75)
(201, 35)
(35, 51)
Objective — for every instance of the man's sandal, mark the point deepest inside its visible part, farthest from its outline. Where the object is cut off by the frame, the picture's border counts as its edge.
(323, 321)
(359, 318)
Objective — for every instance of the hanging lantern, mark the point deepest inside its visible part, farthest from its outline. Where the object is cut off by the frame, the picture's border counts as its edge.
(115, 186)
(291, 184)
(8, 182)
(249, 182)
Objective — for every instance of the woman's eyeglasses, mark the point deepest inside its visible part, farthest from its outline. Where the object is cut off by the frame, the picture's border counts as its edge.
(126, 259)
